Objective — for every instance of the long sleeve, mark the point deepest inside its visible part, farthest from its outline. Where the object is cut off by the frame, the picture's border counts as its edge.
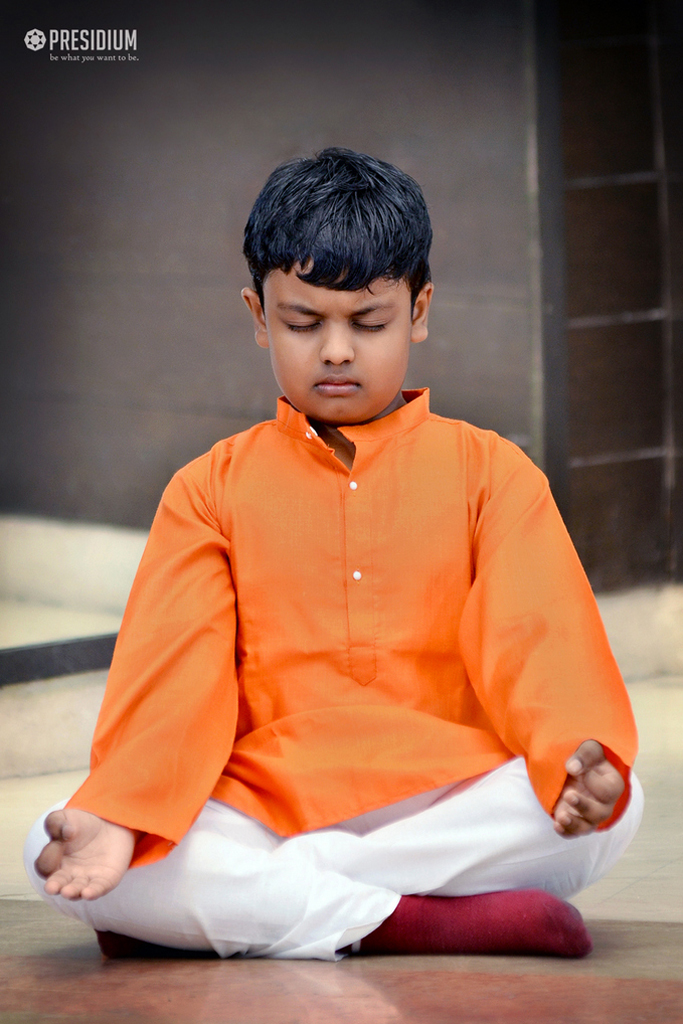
(532, 638)
(167, 723)
(308, 644)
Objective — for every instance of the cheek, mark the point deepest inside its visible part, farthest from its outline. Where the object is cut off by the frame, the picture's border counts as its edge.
(289, 367)
(278, 366)
(394, 365)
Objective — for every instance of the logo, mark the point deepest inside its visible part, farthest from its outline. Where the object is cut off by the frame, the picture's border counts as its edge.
(35, 39)
(83, 45)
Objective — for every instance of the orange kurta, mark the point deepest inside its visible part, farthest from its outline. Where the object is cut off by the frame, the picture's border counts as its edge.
(308, 643)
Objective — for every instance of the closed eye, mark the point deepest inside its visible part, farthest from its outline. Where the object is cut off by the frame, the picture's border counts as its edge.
(369, 327)
(304, 327)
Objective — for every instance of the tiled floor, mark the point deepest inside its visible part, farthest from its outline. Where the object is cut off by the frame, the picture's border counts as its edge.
(51, 970)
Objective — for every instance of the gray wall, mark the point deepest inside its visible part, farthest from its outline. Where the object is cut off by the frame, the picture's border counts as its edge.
(126, 349)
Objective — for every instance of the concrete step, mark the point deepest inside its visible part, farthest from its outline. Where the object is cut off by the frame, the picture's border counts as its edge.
(47, 726)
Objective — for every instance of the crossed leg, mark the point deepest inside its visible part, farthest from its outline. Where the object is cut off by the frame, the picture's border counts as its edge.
(234, 886)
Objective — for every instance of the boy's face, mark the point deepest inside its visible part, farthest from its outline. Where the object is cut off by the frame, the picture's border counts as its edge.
(339, 357)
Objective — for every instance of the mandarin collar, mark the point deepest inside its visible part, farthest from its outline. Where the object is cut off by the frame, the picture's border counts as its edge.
(414, 412)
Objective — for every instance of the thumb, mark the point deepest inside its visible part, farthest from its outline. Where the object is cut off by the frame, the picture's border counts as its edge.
(586, 756)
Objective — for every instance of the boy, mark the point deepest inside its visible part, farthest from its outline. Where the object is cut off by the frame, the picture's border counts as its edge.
(361, 696)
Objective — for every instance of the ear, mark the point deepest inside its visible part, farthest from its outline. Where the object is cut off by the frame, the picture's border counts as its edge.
(421, 312)
(254, 303)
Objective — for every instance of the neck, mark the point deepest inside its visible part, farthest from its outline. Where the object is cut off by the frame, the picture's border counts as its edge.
(344, 449)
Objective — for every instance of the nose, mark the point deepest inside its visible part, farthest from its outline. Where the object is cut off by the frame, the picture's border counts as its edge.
(337, 345)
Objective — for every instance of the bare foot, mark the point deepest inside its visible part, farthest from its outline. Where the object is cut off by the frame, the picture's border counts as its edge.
(86, 856)
(590, 793)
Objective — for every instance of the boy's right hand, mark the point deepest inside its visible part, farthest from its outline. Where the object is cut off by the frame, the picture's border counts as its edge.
(86, 856)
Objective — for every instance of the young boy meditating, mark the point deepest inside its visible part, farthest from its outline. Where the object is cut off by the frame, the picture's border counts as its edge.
(362, 699)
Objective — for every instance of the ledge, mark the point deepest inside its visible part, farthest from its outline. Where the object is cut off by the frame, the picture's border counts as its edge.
(60, 658)
(46, 725)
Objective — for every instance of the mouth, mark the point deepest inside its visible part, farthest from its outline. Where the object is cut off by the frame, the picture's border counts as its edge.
(336, 386)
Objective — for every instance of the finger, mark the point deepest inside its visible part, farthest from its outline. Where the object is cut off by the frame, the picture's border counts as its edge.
(565, 817)
(49, 859)
(594, 812)
(58, 882)
(602, 784)
(73, 887)
(571, 820)
(577, 828)
(576, 799)
(605, 787)
(564, 823)
(54, 823)
(588, 755)
(564, 826)
(95, 889)
(563, 830)
(59, 828)
(73, 890)
(596, 799)
(576, 815)
(84, 888)
(584, 808)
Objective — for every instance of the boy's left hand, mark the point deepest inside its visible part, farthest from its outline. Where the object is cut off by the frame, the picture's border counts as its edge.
(590, 793)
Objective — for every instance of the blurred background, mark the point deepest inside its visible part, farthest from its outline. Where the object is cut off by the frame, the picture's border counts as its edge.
(548, 138)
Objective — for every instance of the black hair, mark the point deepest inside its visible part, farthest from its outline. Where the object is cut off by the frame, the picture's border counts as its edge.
(345, 219)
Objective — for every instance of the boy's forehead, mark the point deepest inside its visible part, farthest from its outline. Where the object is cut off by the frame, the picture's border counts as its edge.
(288, 290)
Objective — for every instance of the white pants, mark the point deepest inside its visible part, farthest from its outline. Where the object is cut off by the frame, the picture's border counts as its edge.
(234, 886)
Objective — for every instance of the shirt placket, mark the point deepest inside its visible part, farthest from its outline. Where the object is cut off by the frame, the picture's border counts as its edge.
(359, 575)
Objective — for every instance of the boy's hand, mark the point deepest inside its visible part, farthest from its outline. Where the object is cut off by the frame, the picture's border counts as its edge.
(590, 793)
(86, 856)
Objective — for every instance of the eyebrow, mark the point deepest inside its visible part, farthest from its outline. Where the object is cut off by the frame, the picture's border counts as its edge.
(293, 307)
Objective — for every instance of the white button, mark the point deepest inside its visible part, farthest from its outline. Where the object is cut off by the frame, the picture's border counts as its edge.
(353, 485)
(357, 575)
(308, 435)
